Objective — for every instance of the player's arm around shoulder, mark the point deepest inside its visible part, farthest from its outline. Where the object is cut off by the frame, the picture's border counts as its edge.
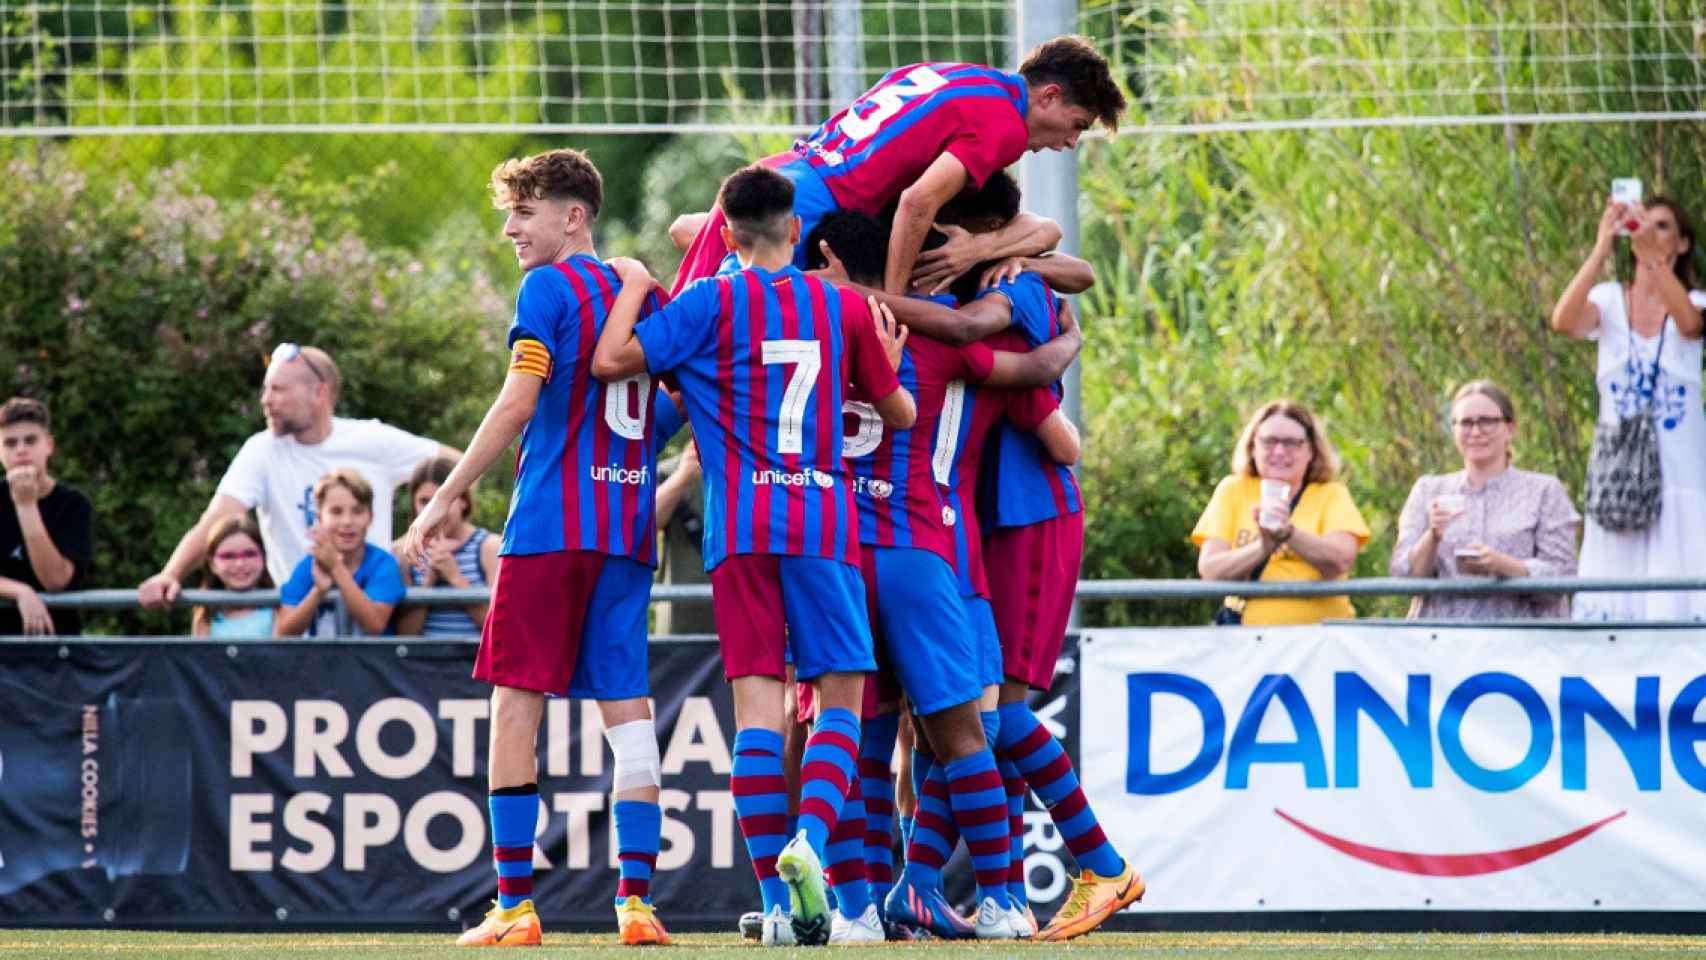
(1044, 364)
(619, 353)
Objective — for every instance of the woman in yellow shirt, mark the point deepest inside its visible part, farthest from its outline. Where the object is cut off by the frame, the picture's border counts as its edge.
(1306, 530)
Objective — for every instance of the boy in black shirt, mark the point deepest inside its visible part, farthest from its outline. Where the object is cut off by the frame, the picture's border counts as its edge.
(45, 543)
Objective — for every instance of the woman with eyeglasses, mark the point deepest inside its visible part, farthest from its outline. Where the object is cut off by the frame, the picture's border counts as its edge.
(1487, 520)
(236, 561)
(1281, 515)
(1649, 354)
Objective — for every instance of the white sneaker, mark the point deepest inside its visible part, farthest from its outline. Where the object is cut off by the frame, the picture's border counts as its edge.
(778, 929)
(1021, 924)
(868, 928)
(994, 922)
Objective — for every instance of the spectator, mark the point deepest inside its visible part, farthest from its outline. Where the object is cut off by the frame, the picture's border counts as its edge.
(463, 555)
(1648, 364)
(45, 543)
(681, 523)
(365, 575)
(236, 561)
(1309, 530)
(1488, 519)
(275, 471)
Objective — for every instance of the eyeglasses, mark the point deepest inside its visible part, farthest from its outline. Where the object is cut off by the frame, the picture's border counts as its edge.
(1286, 443)
(230, 555)
(1472, 424)
(287, 351)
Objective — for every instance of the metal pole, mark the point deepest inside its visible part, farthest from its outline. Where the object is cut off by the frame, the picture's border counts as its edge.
(808, 23)
(1050, 179)
(846, 54)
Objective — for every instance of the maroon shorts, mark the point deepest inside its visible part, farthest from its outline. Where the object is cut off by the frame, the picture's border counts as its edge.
(1033, 576)
(545, 604)
(767, 605)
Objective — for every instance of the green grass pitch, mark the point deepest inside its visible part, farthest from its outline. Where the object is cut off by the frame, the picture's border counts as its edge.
(54, 944)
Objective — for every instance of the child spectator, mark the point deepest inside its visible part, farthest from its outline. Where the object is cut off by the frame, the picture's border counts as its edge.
(340, 558)
(463, 556)
(235, 561)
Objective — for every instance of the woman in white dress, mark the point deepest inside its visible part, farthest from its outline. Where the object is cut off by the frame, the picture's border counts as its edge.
(1649, 360)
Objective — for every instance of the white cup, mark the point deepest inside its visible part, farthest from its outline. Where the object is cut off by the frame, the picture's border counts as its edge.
(1276, 502)
(1453, 503)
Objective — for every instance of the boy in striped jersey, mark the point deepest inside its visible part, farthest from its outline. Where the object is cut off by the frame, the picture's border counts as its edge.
(908, 556)
(568, 609)
(764, 357)
(925, 132)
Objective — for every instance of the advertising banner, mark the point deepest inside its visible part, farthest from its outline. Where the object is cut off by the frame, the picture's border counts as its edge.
(344, 783)
(1362, 767)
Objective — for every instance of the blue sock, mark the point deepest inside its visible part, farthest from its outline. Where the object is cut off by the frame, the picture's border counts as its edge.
(991, 727)
(514, 817)
(1015, 784)
(638, 828)
(934, 833)
(1048, 770)
(826, 773)
(761, 804)
(876, 752)
(979, 802)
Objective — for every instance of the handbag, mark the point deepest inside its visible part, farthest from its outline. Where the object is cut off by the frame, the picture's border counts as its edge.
(1229, 615)
(1625, 479)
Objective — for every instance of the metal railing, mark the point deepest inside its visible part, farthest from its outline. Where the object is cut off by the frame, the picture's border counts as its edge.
(1088, 590)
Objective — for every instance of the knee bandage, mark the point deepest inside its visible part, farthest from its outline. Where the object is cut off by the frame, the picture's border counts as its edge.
(635, 745)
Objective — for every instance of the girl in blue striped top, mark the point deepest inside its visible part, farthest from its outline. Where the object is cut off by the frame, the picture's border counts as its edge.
(467, 557)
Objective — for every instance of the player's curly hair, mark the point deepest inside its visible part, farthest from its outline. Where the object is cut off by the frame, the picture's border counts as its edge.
(563, 174)
(757, 202)
(1083, 74)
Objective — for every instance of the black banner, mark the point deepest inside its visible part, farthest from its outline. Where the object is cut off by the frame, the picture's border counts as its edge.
(209, 784)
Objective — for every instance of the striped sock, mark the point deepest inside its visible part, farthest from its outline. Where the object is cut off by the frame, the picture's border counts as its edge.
(845, 863)
(979, 801)
(876, 751)
(933, 832)
(761, 804)
(638, 827)
(991, 727)
(1015, 784)
(515, 814)
(906, 825)
(825, 773)
(1048, 771)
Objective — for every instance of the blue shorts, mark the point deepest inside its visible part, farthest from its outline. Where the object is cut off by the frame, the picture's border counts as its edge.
(981, 619)
(568, 622)
(767, 603)
(921, 622)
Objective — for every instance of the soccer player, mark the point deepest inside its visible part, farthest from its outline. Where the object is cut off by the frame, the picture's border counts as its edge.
(764, 357)
(907, 551)
(568, 610)
(1032, 549)
(922, 134)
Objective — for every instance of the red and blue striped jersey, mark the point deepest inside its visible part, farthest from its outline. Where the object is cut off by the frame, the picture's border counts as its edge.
(585, 475)
(764, 360)
(968, 416)
(881, 143)
(894, 482)
(1024, 485)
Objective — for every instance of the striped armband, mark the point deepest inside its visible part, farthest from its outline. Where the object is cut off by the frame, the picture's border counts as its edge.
(530, 356)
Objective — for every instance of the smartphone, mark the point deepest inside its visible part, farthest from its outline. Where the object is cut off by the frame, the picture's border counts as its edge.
(1627, 190)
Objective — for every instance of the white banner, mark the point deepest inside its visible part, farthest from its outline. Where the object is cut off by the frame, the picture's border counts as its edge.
(1363, 767)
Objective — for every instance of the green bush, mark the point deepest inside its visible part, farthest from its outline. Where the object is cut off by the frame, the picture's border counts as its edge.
(141, 312)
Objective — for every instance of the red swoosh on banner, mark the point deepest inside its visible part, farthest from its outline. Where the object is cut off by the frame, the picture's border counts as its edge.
(1448, 864)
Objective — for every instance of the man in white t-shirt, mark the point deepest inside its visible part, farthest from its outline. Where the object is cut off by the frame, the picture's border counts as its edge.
(275, 471)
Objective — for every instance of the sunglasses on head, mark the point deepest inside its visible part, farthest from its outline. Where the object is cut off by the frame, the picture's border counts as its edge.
(287, 351)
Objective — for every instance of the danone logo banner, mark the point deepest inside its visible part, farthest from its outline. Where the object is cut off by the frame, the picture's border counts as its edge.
(1363, 767)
